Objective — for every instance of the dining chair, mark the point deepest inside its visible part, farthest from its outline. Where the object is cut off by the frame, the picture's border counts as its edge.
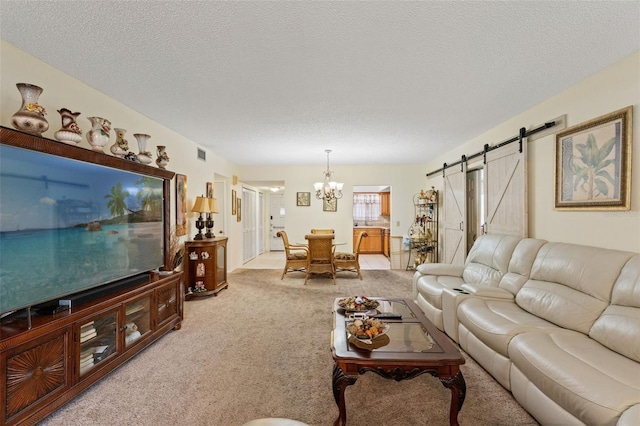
(296, 255)
(350, 262)
(320, 259)
(323, 231)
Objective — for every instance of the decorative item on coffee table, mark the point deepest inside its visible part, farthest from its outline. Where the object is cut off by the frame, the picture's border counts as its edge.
(30, 117)
(70, 132)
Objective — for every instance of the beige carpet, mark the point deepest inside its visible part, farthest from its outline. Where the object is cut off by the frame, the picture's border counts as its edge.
(261, 349)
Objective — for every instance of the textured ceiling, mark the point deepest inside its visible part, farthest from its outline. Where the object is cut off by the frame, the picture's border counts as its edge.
(280, 82)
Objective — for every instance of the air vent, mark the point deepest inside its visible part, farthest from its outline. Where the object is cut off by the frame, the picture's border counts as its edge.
(202, 155)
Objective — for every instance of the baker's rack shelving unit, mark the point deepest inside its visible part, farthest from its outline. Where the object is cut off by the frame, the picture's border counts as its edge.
(423, 233)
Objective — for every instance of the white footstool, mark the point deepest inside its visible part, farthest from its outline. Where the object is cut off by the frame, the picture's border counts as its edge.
(274, 422)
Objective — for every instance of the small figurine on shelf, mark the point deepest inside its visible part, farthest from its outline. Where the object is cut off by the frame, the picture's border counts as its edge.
(431, 195)
(199, 288)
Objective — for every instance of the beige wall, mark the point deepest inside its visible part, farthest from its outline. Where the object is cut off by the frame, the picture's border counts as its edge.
(611, 89)
(61, 90)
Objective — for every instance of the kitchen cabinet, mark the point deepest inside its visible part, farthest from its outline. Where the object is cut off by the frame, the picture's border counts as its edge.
(372, 244)
(386, 242)
(385, 204)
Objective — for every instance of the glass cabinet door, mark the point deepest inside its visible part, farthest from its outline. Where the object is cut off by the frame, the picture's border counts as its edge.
(97, 341)
(137, 320)
(221, 263)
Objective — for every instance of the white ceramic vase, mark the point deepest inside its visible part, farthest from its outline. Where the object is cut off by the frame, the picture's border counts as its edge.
(30, 117)
(98, 136)
(120, 148)
(69, 132)
(144, 156)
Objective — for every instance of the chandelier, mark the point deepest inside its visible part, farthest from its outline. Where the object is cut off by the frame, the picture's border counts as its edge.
(328, 190)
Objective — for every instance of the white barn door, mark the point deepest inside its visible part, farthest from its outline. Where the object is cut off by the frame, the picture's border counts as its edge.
(454, 215)
(506, 190)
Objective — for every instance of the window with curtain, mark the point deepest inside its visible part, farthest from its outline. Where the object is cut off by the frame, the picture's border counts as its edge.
(366, 206)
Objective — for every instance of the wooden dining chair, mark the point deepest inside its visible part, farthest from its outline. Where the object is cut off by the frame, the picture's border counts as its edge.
(323, 231)
(350, 261)
(296, 255)
(320, 259)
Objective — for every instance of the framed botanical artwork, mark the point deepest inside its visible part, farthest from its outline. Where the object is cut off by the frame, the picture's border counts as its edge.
(593, 164)
(239, 209)
(303, 198)
(233, 202)
(209, 189)
(181, 204)
(330, 205)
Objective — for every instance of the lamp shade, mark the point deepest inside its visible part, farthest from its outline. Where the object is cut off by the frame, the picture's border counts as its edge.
(213, 205)
(201, 205)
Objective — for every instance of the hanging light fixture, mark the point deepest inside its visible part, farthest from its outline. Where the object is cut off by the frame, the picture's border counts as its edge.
(328, 190)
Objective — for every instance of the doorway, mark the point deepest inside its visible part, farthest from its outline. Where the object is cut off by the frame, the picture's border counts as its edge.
(475, 205)
(276, 214)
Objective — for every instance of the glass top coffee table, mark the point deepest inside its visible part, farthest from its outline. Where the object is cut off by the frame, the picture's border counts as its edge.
(411, 346)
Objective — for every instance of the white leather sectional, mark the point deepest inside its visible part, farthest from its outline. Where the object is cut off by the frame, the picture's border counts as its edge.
(557, 324)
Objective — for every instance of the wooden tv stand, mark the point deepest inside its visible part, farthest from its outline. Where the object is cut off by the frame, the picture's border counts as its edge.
(63, 354)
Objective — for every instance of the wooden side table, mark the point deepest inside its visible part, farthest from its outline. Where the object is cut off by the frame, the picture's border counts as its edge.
(205, 267)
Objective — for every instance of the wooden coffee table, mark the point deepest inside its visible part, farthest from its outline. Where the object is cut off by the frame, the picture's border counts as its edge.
(412, 346)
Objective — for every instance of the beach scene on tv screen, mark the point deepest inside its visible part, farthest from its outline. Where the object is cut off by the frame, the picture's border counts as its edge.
(67, 226)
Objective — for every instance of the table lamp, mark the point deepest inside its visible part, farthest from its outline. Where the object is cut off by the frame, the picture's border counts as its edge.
(213, 208)
(200, 206)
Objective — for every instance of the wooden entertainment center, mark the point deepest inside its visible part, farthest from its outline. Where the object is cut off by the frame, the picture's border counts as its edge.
(47, 359)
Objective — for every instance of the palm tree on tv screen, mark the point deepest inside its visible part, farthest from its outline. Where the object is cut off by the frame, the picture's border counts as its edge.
(116, 204)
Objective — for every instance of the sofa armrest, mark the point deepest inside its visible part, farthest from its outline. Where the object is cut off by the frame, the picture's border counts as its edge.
(487, 291)
(440, 269)
(451, 298)
(630, 416)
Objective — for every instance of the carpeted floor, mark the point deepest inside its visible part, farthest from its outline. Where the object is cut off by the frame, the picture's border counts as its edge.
(261, 349)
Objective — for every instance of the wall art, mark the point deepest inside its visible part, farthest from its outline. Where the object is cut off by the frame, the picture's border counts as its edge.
(330, 205)
(181, 204)
(593, 164)
(303, 199)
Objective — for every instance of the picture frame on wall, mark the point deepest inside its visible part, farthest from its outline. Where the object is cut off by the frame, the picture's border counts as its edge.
(209, 189)
(233, 202)
(593, 164)
(181, 205)
(330, 205)
(303, 199)
(239, 209)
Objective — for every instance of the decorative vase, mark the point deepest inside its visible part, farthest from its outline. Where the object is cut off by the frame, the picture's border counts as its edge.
(98, 136)
(70, 132)
(121, 145)
(144, 156)
(163, 158)
(30, 116)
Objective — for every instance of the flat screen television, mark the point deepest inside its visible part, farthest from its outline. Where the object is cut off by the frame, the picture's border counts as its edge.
(68, 225)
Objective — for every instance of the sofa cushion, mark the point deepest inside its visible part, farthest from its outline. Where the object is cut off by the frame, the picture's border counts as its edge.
(520, 264)
(618, 328)
(488, 259)
(496, 322)
(570, 285)
(591, 382)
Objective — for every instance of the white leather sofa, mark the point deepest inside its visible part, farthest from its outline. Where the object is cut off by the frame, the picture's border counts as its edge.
(486, 263)
(561, 331)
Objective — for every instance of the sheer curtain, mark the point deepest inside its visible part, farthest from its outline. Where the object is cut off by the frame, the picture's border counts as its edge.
(366, 206)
